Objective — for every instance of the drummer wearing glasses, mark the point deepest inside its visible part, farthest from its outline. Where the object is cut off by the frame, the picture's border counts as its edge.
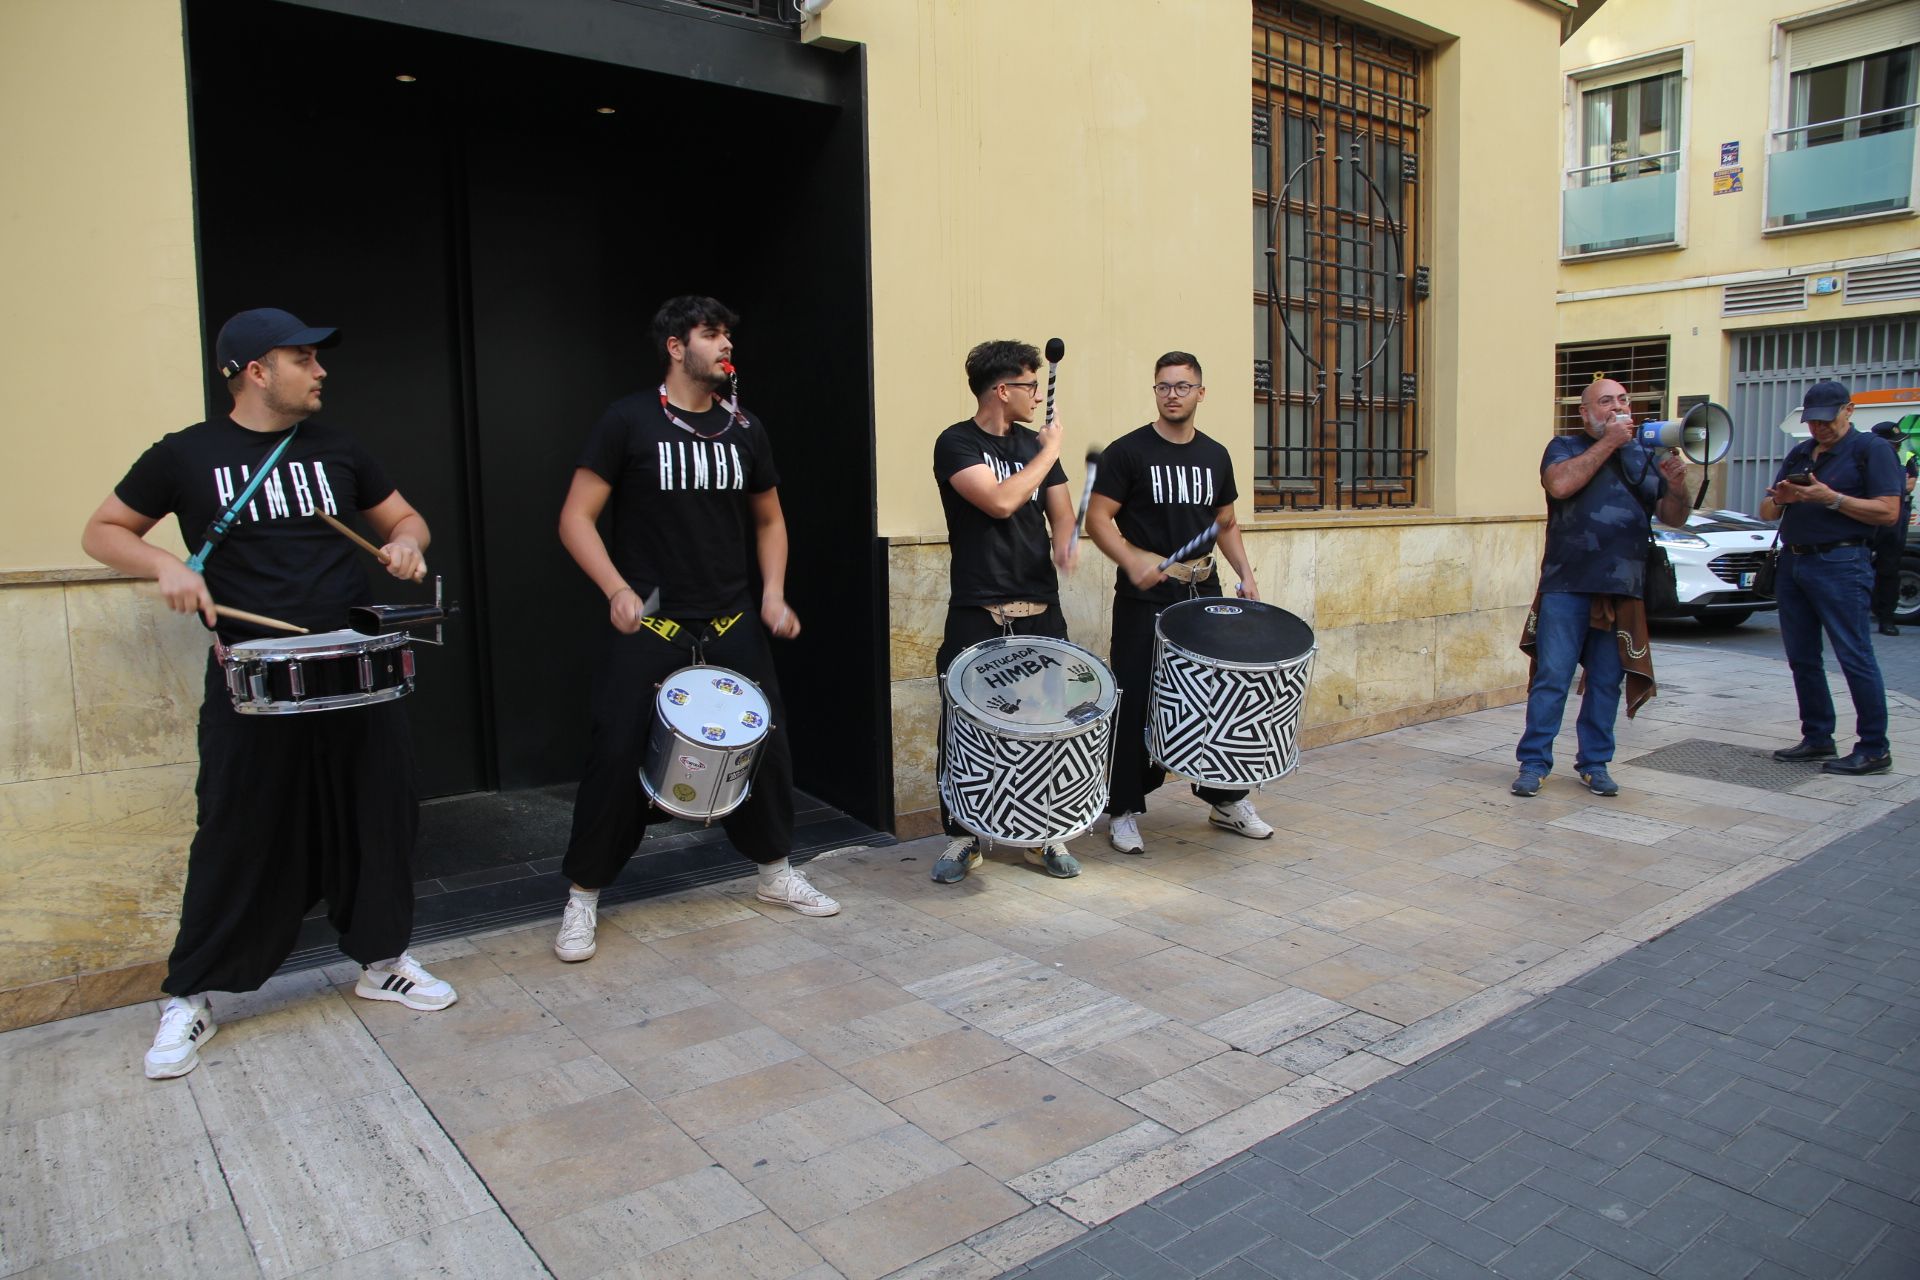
(1158, 488)
(1009, 524)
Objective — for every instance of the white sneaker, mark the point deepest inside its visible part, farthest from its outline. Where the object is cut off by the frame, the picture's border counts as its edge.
(791, 889)
(403, 979)
(575, 942)
(1123, 832)
(184, 1027)
(1238, 817)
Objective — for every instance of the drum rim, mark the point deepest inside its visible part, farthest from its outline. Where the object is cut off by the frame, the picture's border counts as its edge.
(243, 652)
(325, 702)
(660, 693)
(1226, 664)
(954, 670)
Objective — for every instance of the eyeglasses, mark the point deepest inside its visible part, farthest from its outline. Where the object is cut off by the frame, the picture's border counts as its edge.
(1178, 390)
(1031, 388)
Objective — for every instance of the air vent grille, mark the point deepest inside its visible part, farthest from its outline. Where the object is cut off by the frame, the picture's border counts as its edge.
(1756, 296)
(1884, 283)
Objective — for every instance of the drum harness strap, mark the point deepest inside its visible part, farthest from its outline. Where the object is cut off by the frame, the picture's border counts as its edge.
(669, 630)
(1192, 573)
(1004, 614)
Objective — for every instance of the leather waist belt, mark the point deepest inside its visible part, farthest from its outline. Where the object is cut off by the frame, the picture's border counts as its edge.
(1003, 613)
(1191, 570)
(1815, 548)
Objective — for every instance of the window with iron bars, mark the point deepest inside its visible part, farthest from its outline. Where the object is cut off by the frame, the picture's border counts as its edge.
(1337, 263)
(1638, 364)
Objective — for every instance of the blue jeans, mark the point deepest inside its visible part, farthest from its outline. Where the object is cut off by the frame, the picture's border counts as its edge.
(1831, 591)
(1562, 640)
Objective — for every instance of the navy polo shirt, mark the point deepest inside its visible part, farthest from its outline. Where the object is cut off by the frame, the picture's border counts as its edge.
(1597, 539)
(1860, 465)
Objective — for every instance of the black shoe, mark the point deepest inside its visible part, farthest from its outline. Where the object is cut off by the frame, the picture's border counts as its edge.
(1858, 764)
(1888, 629)
(1806, 749)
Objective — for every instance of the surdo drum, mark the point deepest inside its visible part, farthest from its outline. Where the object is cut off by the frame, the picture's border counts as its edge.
(1229, 679)
(1029, 739)
(708, 726)
(293, 675)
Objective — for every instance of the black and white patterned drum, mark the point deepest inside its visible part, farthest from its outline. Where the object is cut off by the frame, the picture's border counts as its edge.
(703, 750)
(1029, 739)
(295, 675)
(1229, 679)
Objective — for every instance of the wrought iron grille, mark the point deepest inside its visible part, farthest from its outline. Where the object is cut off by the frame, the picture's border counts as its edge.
(783, 12)
(1638, 364)
(1337, 114)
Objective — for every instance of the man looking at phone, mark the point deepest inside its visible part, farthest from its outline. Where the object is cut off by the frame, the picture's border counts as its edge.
(1833, 492)
(1601, 488)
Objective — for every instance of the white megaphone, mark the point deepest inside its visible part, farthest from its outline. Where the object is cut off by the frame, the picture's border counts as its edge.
(1704, 435)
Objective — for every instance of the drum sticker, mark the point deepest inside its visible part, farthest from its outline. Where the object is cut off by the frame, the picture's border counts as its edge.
(1224, 608)
(725, 685)
(713, 733)
(741, 768)
(752, 719)
(678, 697)
(683, 793)
(692, 764)
(1084, 712)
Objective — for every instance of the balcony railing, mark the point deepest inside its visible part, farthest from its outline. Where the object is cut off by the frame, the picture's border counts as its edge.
(1818, 180)
(1621, 204)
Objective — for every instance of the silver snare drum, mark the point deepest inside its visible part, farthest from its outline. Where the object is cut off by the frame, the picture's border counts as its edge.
(1229, 679)
(293, 675)
(709, 724)
(1029, 739)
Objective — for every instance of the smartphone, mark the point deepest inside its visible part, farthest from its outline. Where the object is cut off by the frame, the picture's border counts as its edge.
(1800, 477)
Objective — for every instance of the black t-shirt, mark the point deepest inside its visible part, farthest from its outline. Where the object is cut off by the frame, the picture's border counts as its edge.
(280, 559)
(681, 519)
(995, 560)
(1168, 493)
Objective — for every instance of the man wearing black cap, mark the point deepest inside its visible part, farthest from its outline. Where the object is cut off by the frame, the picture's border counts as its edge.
(294, 808)
(1831, 494)
(1890, 544)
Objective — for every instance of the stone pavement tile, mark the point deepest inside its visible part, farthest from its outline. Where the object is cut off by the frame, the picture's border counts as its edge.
(548, 1168)
(488, 1010)
(1182, 983)
(908, 1225)
(759, 1247)
(1209, 925)
(742, 949)
(308, 1053)
(1273, 1020)
(776, 988)
(1049, 1180)
(339, 1180)
(1348, 909)
(785, 1139)
(855, 1020)
(1038, 1230)
(1089, 956)
(1296, 949)
(739, 1100)
(1015, 1116)
(212, 1243)
(692, 1048)
(676, 914)
(465, 1110)
(926, 1062)
(503, 1059)
(59, 1198)
(1125, 1064)
(484, 1247)
(840, 1181)
(641, 1223)
(1352, 970)
(1206, 1090)
(1409, 997)
(930, 960)
(590, 997)
(1180, 863)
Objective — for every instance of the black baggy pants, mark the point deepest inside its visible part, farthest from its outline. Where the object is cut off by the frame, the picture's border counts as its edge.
(1889, 547)
(1134, 772)
(294, 809)
(968, 625)
(612, 811)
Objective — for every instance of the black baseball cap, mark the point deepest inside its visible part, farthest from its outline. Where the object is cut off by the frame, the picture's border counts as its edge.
(1824, 401)
(252, 334)
(1887, 430)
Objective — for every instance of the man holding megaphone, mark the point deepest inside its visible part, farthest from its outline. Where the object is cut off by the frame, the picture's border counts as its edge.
(1831, 494)
(1602, 485)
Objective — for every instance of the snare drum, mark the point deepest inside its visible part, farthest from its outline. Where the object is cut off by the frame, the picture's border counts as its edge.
(708, 727)
(1029, 739)
(292, 675)
(1229, 679)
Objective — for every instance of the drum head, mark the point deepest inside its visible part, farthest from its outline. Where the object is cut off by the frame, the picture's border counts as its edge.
(1239, 631)
(1038, 683)
(292, 647)
(713, 704)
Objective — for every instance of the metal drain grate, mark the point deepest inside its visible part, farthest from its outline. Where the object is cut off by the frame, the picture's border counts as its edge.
(1724, 762)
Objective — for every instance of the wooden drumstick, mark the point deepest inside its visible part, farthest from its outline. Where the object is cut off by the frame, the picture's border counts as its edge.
(241, 615)
(366, 546)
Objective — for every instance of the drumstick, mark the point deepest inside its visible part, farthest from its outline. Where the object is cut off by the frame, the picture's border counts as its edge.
(1086, 496)
(364, 545)
(1056, 352)
(241, 615)
(1207, 535)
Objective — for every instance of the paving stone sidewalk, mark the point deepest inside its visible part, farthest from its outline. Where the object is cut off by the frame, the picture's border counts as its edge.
(1736, 1098)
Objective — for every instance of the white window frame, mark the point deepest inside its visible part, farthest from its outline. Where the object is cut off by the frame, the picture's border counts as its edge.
(1780, 116)
(1621, 71)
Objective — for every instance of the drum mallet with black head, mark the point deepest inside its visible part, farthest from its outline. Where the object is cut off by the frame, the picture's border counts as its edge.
(1056, 352)
(1086, 496)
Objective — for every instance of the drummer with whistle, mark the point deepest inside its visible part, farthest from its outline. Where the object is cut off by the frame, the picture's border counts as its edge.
(690, 479)
(1009, 523)
(1157, 489)
(292, 808)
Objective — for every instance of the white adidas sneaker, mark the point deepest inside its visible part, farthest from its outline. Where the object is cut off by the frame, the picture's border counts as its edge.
(405, 980)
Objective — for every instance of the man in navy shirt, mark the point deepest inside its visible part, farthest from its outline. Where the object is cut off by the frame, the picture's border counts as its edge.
(1600, 486)
(1832, 493)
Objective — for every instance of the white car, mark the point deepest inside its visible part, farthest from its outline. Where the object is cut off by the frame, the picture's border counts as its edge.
(1714, 560)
